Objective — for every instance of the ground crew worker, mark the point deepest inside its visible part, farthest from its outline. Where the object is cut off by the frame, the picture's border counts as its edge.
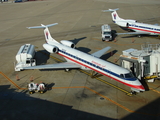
(41, 86)
(32, 86)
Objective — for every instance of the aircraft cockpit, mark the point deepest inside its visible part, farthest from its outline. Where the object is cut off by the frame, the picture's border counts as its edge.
(127, 75)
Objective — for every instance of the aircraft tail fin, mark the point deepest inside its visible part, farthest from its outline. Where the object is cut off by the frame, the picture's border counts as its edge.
(47, 34)
(114, 14)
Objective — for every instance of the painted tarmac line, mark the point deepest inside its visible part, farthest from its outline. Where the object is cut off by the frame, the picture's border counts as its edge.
(112, 101)
(154, 90)
(155, 87)
(112, 85)
(10, 80)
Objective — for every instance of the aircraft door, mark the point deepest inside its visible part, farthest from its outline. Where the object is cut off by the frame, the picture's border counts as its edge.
(127, 25)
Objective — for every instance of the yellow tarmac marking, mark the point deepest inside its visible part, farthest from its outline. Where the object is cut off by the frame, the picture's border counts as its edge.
(127, 93)
(154, 85)
(123, 107)
(154, 90)
(9, 80)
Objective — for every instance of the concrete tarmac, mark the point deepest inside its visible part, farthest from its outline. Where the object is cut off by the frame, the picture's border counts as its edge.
(73, 95)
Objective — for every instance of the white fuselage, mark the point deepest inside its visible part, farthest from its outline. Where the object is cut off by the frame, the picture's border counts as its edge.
(142, 27)
(136, 26)
(90, 62)
(85, 61)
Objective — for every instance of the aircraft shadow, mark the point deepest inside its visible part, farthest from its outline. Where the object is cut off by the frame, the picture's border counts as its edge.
(76, 40)
(108, 55)
(130, 36)
(144, 83)
(41, 57)
(143, 35)
(126, 29)
(49, 86)
(22, 106)
(114, 35)
(150, 112)
(84, 49)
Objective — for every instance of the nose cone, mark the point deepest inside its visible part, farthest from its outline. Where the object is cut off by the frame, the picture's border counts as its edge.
(140, 87)
(137, 86)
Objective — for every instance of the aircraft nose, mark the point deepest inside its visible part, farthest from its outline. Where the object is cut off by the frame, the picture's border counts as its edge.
(141, 87)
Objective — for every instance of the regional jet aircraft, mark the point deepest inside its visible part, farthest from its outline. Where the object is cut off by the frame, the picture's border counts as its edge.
(133, 25)
(81, 60)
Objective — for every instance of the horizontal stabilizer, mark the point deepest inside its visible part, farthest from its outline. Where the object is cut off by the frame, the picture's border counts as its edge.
(110, 10)
(42, 26)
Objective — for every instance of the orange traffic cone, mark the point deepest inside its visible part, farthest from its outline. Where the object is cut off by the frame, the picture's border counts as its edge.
(132, 40)
(31, 78)
(17, 77)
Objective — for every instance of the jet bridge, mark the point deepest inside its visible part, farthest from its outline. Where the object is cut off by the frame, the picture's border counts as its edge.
(144, 63)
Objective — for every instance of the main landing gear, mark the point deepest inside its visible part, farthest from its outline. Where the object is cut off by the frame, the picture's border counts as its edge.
(133, 92)
(94, 75)
(66, 70)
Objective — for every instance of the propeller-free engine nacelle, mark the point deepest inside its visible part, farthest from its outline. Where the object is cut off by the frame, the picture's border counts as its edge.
(50, 48)
(68, 43)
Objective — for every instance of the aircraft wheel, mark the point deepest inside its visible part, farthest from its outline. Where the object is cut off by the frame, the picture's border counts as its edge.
(133, 93)
(139, 36)
(66, 70)
(30, 92)
(41, 92)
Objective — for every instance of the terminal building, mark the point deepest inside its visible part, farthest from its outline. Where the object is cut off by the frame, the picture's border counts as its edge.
(144, 63)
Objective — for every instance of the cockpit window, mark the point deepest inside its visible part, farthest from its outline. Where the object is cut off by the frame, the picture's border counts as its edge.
(121, 75)
(129, 75)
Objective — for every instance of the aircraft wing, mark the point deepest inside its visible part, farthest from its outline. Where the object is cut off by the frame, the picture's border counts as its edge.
(100, 52)
(65, 65)
(133, 33)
